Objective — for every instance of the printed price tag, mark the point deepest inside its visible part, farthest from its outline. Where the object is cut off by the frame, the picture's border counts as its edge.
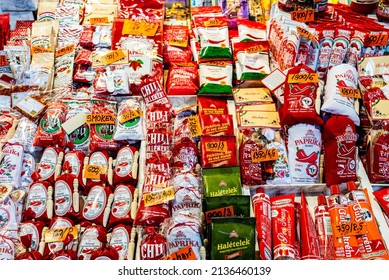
(93, 171)
(59, 234)
(305, 33)
(303, 15)
(220, 212)
(133, 114)
(303, 78)
(185, 253)
(350, 92)
(218, 146)
(100, 119)
(139, 28)
(380, 39)
(348, 229)
(111, 57)
(98, 20)
(178, 42)
(194, 126)
(64, 50)
(158, 197)
(264, 155)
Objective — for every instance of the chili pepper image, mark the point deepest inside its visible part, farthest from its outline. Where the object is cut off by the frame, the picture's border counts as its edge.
(215, 79)
(303, 157)
(253, 68)
(215, 42)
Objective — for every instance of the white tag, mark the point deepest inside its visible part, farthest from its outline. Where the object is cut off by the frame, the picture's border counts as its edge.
(73, 123)
(274, 80)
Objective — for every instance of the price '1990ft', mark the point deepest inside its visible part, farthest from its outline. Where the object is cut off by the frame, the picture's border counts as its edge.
(218, 146)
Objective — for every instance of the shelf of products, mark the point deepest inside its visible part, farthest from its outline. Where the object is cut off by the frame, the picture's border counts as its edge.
(171, 130)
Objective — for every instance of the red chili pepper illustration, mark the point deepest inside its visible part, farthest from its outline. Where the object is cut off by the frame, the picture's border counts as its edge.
(120, 203)
(301, 153)
(311, 158)
(344, 152)
(87, 251)
(35, 203)
(215, 42)
(301, 89)
(60, 200)
(253, 68)
(341, 84)
(123, 163)
(215, 79)
(45, 166)
(253, 37)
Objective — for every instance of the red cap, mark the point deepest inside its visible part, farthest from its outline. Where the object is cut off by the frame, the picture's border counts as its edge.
(321, 200)
(260, 190)
(334, 189)
(351, 186)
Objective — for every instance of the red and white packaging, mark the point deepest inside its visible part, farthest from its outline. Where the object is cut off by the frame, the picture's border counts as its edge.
(382, 197)
(123, 197)
(93, 238)
(262, 212)
(153, 245)
(27, 242)
(56, 223)
(65, 253)
(217, 125)
(340, 46)
(103, 160)
(98, 205)
(11, 164)
(133, 128)
(105, 254)
(326, 44)
(185, 155)
(33, 228)
(28, 168)
(283, 227)
(151, 215)
(50, 161)
(183, 79)
(75, 159)
(340, 152)
(304, 146)
(120, 239)
(126, 165)
(218, 151)
(176, 48)
(324, 229)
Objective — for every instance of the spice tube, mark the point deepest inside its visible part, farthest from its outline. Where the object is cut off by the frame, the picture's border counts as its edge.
(309, 238)
(370, 244)
(283, 230)
(382, 197)
(324, 229)
(262, 212)
(346, 247)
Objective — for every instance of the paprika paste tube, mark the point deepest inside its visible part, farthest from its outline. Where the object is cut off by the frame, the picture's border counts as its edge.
(339, 138)
(326, 43)
(283, 227)
(324, 229)
(346, 247)
(262, 212)
(309, 239)
(382, 197)
(123, 197)
(120, 239)
(361, 211)
(153, 245)
(304, 146)
(300, 100)
(126, 167)
(354, 49)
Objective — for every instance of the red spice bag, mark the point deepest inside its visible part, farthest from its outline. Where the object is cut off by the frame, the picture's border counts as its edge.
(339, 139)
(153, 245)
(183, 79)
(126, 168)
(378, 156)
(123, 198)
(218, 151)
(54, 247)
(300, 100)
(120, 239)
(94, 237)
(176, 48)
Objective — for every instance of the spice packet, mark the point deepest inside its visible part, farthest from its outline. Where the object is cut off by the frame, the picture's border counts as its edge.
(215, 78)
(222, 181)
(251, 31)
(218, 151)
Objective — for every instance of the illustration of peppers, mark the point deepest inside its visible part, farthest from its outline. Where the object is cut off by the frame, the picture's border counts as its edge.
(215, 79)
(253, 68)
(344, 152)
(304, 91)
(253, 37)
(341, 84)
(45, 166)
(215, 41)
(35, 203)
(60, 200)
(123, 163)
(120, 203)
(302, 157)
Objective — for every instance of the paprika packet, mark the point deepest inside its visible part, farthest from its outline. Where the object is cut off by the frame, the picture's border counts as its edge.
(215, 77)
(120, 239)
(212, 106)
(218, 151)
(126, 167)
(129, 121)
(217, 125)
(382, 197)
(340, 160)
(153, 245)
(98, 205)
(222, 181)
(378, 157)
(93, 238)
(57, 223)
(176, 48)
(123, 197)
(251, 31)
(232, 239)
(182, 79)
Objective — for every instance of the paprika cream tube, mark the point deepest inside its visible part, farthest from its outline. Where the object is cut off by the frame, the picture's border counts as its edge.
(324, 229)
(370, 243)
(346, 247)
(309, 239)
(283, 230)
(262, 212)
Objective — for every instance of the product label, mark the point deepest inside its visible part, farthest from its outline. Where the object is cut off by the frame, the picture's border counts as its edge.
(259, 119)
(122, 202)
(124, 162)
(37, 199)
(119, 241)
(60, 234)
(48, 163)
(88, 243)
(139, 28)
(74, 163)
(158, 197)
(250, 95)
(95, 203)
(380, 110)
(63, 198)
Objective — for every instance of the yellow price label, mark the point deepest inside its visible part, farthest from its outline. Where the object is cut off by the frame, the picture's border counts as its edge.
(59, 234)
(305, 33)
(303, 78)
(178, 42)
(38, 49)
(349, 229)
(185, 253)
(350, 92)
(139, 28)
(303, 15)
(98, 20)
(159, 196)
(264, 155)
(111, 57)
(194, 126)
(93, 171)
(218, 146)
(133, 114)
(64, 50)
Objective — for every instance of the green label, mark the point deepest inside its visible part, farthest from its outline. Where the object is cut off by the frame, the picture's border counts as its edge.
(50, 124)
(80, 135)
(105, 131)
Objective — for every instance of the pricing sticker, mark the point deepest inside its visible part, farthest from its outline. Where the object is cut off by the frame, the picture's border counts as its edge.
(38, 49)
(59, 234)
(350, 92)
(3, 60)
(139, 28)
(111, 57)
(220, 212)
(98, 20)
(305, 33)
(178, 42)
(100, 119)
(212, 23)
(94, 171)
(264, 155)
(185, 253)
(218, 146)
(349, 229)
(133, 114)
(380, 39)
(303, 15)
(194, 126)
(158, 197)
(64, 50)
(303, 78)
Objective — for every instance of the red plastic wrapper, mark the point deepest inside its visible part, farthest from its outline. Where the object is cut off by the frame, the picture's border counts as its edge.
(123, 197)
(86, 39)
(152, 92)
(183, 79)
(93, 238)
(185, 154)
(126, 168)
(300, 100)
(120, 238)
(212, 106)
(26, 241)
(339, 140)
(309, 240)
(218, 151)
(84, 57)
(371, 95)
(151, 215)
(33, 228)
(283, 227)
(75, 159)
(217, 125)
(97, 205)
(83, 74)
(108, 253)
(158, 162)
(382, 197)
(101, 138)
(65, 253)
(50, 132)
(153, 245)
(54, 247)
(176, 48)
